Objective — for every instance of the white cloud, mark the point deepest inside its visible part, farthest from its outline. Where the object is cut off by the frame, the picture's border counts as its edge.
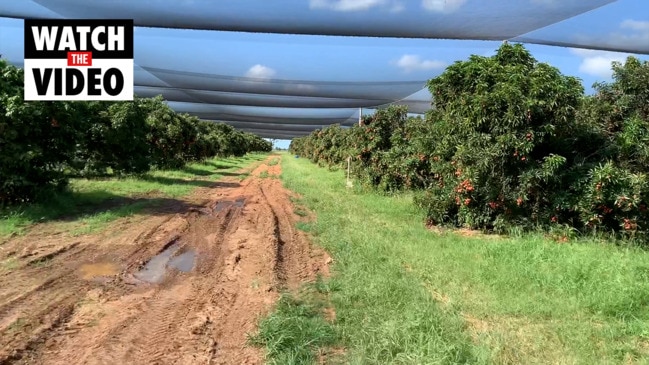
(443, 6)
(355, 5)
(260, 72)
(641, 26)
(597, 63)
(582, 52)
(411, 63)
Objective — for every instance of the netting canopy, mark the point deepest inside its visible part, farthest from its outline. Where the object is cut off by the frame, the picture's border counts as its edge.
(284, 68)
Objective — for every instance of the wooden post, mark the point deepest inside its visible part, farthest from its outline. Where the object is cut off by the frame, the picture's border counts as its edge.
(349, 161)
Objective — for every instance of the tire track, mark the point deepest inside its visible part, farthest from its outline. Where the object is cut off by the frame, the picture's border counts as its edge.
(244, 255)
(279, 243)
(169, 311)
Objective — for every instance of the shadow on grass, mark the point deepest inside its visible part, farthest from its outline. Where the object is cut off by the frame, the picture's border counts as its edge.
(217, 165)
(197, 172)
(72, 206)
(186, 169)
(197, 182)
(225, 173)
(99, 205)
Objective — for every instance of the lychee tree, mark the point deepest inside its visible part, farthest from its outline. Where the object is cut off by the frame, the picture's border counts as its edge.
(616, 194)
(504, 131)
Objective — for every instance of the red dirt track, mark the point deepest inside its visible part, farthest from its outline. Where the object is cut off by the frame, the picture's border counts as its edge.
(81, 300)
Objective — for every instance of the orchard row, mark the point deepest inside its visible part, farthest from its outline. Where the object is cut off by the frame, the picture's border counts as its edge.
(43, 143)
(510, 143)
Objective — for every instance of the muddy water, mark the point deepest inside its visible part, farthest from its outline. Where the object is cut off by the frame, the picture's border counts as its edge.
(98, 270)
(154, 270)
(220, 206)
(184, 262)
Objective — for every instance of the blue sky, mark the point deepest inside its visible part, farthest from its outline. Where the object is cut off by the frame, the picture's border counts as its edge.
(622, 24)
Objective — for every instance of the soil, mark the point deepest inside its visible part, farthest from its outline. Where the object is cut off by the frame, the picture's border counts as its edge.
(186, 285)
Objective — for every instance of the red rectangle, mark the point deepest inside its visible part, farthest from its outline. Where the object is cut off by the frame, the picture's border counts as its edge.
(79, 58)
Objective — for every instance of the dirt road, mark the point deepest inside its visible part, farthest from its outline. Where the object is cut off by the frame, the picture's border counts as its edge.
(182, 285)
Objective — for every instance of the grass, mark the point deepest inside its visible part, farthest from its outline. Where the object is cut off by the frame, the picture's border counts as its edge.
(296, 329)
(8, 265)
(17, 325)
(92, 203)
(44, 261)
(264, 174)
(304, 226)
(96, 222)
(300, 212)
(407, 295)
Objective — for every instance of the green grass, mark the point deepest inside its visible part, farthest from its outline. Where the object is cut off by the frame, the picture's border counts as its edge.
(264, 174)
(407, 295)
(304, 226)
(274, 161)
(300, 212)
(296, 329)
(96, 222)
(92, 203)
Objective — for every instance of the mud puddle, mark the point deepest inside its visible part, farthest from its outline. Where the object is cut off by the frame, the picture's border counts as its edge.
(155, 269)
(220, 206)
(98, 271)
(184, 262)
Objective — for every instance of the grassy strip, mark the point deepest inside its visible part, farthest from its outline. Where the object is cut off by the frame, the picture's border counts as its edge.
(274, 161)
(405, 294)
(296, 329)
(95, 202)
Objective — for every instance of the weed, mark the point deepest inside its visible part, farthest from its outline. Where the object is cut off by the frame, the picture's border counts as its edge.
(300, 212)
(41, 263)
(17, 325)
(9, 264)
(304, 226)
